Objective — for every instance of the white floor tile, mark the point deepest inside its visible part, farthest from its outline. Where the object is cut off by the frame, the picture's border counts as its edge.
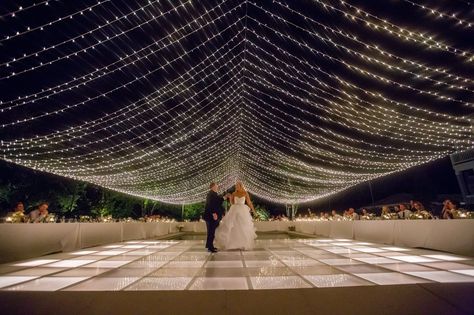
(134, 246)
(413, 259)
(224, 264)
(71, 263)
(6, 281)
(336, 280)
(302, 262)
(140, 253)
(47, 284)
(263, 263)
(35, 271)
(107, 264)
(111, 252)
(395, 249)
(469, 272)
(84, 252)
(340, 261)
(447, 265)
(103, 284)
(82, 272)
(390, 278)
(446, 257)
(441, 276)
(153, 283)
(235, 283)
(279, 282)
(403, 267)
(368, 249)
(185, 264)
(36, 262)
(377, 260)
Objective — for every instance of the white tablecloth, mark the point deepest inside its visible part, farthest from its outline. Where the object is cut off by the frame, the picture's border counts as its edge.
(455, 236)
(21, 241)
(371, 231)
(272, 226)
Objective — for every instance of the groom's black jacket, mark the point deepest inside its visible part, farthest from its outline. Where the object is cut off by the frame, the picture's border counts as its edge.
(213, 205)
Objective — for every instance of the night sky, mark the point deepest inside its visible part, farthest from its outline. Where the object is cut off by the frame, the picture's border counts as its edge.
(299, 99)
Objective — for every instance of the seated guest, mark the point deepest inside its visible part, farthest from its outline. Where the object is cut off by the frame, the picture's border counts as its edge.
(450, 209)
(403, 212)
(39, 214)
(420, 210)
(385, 211)
(18, 213)
(335, 216)
(19, 208)
(447, 212)
(365, 215)
(418, 207)
(352, 214)
(412, 206)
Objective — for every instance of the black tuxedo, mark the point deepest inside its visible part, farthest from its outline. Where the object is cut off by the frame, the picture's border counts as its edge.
(213, 205)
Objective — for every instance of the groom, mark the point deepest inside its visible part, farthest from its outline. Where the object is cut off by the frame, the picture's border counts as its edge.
(213, 212)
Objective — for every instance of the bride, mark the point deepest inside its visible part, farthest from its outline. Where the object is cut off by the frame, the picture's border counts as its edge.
(236, 230)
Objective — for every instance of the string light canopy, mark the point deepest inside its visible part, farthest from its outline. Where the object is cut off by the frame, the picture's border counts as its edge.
(298, 99)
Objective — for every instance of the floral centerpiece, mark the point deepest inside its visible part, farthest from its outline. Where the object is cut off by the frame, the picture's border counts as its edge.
(107, 219)
(84, 218)
(368, 216)
(15, 217)
(389, 216)
(463, 214)
(421, 215)
(50, 218)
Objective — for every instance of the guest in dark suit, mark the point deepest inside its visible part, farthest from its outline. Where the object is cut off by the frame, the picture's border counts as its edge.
(213, 213)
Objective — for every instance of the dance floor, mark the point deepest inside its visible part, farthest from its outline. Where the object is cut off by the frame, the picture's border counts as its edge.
(274, 264)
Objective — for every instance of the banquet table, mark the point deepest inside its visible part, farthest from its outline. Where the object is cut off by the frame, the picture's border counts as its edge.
(26, 240)
(22, 241)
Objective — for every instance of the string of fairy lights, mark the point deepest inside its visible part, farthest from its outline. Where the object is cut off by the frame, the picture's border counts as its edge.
(299, 100)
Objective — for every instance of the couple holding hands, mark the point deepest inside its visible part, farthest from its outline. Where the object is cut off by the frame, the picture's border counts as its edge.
(235, 230)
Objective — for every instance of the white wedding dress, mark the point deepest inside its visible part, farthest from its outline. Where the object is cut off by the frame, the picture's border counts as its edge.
(236, 229)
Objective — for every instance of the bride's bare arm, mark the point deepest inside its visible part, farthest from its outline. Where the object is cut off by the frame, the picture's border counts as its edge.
(232, 199)
(249, 202)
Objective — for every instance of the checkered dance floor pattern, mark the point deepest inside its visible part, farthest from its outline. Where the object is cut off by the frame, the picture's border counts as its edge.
(273, 264)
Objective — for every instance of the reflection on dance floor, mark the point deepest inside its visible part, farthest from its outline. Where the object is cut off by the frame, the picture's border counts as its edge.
(273, 264)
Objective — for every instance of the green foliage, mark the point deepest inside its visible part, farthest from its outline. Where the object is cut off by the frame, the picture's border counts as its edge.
(193, 212)
(5, 193)
(261, 213)
(117, 205)
(165, 209)
(72, 198)
(68, 198)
